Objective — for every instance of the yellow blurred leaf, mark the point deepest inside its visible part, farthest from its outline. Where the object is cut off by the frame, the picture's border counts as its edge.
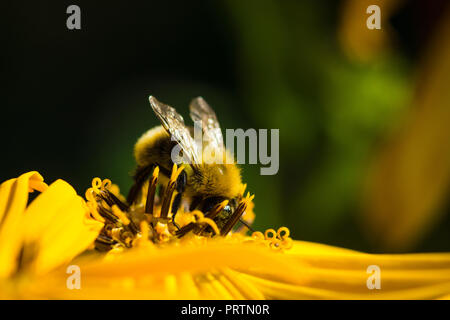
(410, 177)
(358, 41)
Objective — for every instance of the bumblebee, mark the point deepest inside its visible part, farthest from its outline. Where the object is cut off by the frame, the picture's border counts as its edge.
(203, 184)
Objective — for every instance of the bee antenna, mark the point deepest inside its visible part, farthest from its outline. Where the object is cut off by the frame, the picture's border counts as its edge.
(246, 224)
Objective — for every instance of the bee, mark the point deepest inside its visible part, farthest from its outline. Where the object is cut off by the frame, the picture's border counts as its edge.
(202, 184)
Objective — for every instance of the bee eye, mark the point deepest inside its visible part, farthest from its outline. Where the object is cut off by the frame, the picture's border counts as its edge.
(227, 209)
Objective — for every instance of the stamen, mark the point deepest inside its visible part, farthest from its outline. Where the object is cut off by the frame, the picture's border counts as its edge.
(198, 215)
(155, 172)
(162, 231)
(166, 201)
(122, 236)
(275, 244)
(185, 229)
(103, 244)
(151, 192)
(121, 215)
(92, 205)
(270, 234)
(128, 238)
(94, 213)
(287, 243)
(217, 209)
(244, 186)
(154, 217)
(89, 195)
(107, 214)
(145, 229)
(110, 199)
(169, 190)
(105, 239)
(96, 184)
(116, 234)
(115, 190)
(174, 170)
(277, 240)
(258, 235)
(106, 183)
(283, 233)
(144, 238)
(211, 223)
(212, 214)
(200, 219)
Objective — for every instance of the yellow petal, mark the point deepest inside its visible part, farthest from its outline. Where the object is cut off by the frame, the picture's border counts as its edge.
(13, 201)
(67, 236)
(58, 223)
(335, 273)
(239, 271)
(278, 290)
(46, 207)
(190, 258)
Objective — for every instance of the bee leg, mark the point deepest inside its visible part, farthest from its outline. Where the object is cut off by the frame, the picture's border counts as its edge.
(141, 174)
(181, 185)
(246, 224)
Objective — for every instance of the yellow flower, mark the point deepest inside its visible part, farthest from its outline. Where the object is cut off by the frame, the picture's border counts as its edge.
(39, 237)
(157, 262)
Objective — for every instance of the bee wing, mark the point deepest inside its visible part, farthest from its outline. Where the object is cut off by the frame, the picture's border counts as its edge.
(201, 111)
(173, 122)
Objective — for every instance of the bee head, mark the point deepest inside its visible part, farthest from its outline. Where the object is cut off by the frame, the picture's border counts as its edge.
(209, 203)
(222, 217)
